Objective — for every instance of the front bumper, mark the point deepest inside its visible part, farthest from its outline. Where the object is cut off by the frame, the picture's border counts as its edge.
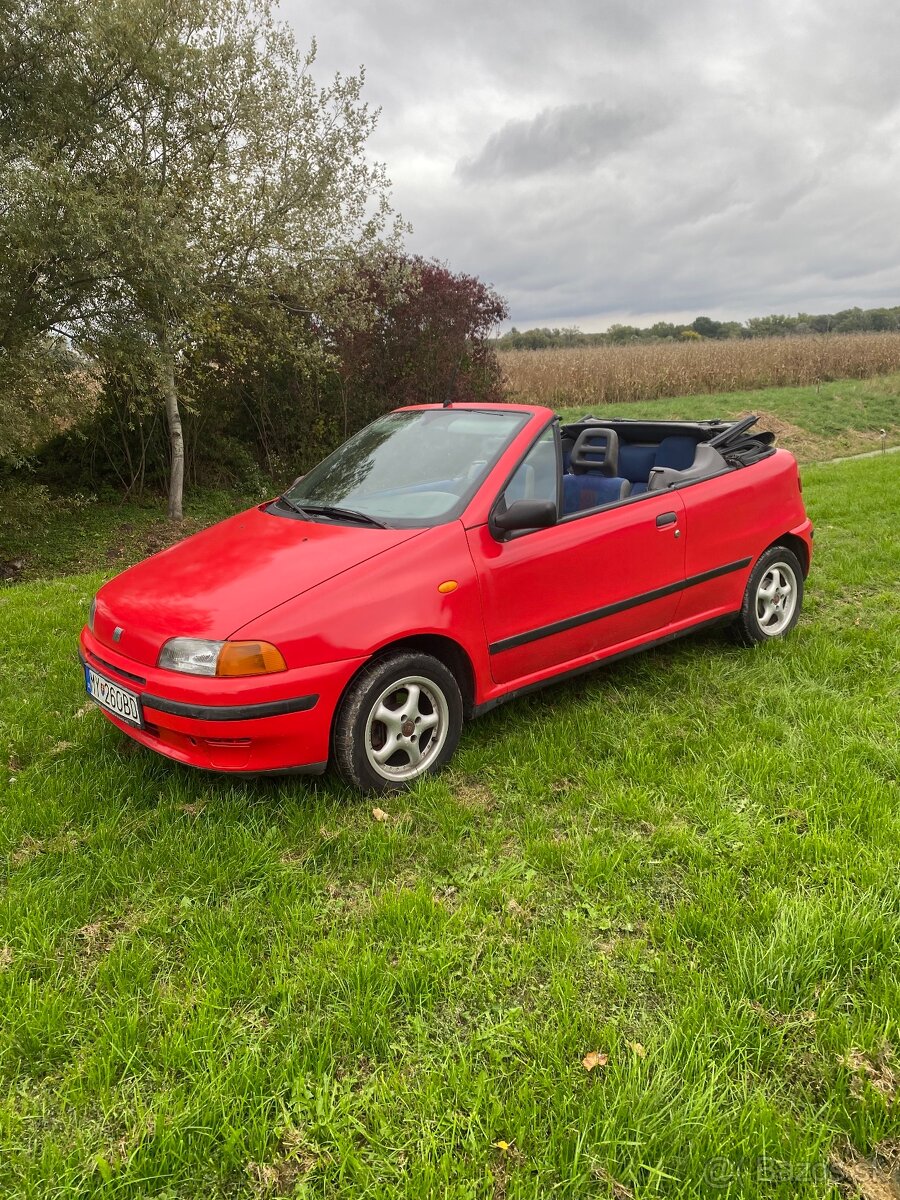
(256, 724)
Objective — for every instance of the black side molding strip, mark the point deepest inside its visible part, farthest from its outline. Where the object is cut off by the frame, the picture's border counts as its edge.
(609, 610)
(480, 709)
(229, 712)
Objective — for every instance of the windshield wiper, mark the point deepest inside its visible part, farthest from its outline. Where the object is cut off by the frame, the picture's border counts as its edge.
(350, 514)
(288, 503)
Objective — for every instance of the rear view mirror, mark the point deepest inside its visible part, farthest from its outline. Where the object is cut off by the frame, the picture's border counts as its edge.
(525, 514)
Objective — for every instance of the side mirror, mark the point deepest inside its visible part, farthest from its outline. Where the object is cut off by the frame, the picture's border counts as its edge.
(525, 514)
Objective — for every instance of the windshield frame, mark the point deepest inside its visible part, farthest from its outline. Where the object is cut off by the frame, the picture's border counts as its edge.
(392, 521)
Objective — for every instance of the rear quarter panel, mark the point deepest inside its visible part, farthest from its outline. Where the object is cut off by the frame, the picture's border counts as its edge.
(732, 518)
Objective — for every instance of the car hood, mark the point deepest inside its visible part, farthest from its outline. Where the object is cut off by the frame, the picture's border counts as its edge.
(211, 584)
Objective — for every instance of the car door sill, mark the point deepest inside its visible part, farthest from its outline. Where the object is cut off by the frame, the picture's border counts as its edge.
(480, 709)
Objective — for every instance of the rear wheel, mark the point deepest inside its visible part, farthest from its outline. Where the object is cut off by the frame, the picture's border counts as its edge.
(401, 719)
(773, 598)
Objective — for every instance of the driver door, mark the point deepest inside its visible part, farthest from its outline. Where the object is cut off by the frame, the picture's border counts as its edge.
(594, 583)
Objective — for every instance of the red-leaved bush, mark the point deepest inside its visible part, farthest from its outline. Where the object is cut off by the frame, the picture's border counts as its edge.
(427, 341)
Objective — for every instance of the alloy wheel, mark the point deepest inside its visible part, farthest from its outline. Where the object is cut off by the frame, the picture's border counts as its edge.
(406, 728)
(776, 598)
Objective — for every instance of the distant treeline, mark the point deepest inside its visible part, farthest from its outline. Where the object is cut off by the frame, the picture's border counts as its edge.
(850, 320)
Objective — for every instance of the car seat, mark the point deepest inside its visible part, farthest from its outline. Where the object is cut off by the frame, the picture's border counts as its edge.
(594, 477)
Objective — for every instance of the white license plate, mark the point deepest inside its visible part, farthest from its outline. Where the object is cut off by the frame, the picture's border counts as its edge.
(118, 700)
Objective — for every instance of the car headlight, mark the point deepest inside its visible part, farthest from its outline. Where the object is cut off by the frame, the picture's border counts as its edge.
(91, 614)
(191, 655)
(196, 656)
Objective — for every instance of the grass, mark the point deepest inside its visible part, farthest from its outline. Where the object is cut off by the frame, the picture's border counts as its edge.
(221, 988)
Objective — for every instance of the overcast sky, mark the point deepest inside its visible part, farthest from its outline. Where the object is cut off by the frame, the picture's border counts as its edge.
(602, 160)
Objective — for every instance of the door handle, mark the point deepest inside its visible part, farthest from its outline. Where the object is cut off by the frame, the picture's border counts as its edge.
(665, 519)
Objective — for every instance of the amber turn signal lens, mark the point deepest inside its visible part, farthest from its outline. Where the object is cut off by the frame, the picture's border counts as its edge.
(249, 658)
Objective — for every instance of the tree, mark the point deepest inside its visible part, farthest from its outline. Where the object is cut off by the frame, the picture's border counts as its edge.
(161, 155)
(706, 327)
(774, 325)
(427, 338)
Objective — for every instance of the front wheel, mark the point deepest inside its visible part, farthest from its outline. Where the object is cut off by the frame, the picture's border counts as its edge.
(400, 719)
(773, 597)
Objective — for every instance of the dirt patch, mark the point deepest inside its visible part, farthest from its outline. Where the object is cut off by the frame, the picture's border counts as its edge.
(801, 443)
(11, 569)
(298, 856)
(470, 793)
(448, 897)
(877, 1071)
(96, 939)
(295, 1159)
(28, 848)
(614, 1189)
(31, 847)
(874, 1178)
(812, 447)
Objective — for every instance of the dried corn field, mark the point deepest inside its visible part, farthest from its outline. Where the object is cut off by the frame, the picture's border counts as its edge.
(643, 371)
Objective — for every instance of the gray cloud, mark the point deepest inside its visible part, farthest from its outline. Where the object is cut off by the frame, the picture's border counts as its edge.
(572, 136)
(602, 158)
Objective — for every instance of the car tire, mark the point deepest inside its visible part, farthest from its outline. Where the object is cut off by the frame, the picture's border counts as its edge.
(772, 599)
(404, 699)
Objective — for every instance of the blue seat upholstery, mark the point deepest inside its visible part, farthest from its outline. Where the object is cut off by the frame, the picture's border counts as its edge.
(581, 492)
(636, 462)
(676, 452)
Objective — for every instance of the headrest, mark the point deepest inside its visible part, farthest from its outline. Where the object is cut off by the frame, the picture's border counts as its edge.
(596, 450)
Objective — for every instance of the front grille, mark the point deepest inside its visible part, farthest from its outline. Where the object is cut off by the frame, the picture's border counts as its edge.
(118, 670)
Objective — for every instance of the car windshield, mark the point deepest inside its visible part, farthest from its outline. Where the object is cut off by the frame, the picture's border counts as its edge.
(419, 467)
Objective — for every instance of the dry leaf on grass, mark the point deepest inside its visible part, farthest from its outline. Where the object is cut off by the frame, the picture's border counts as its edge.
(594, 1059)
(380, 815)
(6, 957)
(515, 908)
(638, 1049)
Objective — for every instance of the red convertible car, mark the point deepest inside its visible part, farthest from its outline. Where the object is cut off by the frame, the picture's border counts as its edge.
(440, 562)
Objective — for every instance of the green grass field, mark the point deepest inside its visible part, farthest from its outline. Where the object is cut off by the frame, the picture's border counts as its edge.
(687, 863)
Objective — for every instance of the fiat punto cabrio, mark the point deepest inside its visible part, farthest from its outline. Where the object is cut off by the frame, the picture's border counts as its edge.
(440, 562)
